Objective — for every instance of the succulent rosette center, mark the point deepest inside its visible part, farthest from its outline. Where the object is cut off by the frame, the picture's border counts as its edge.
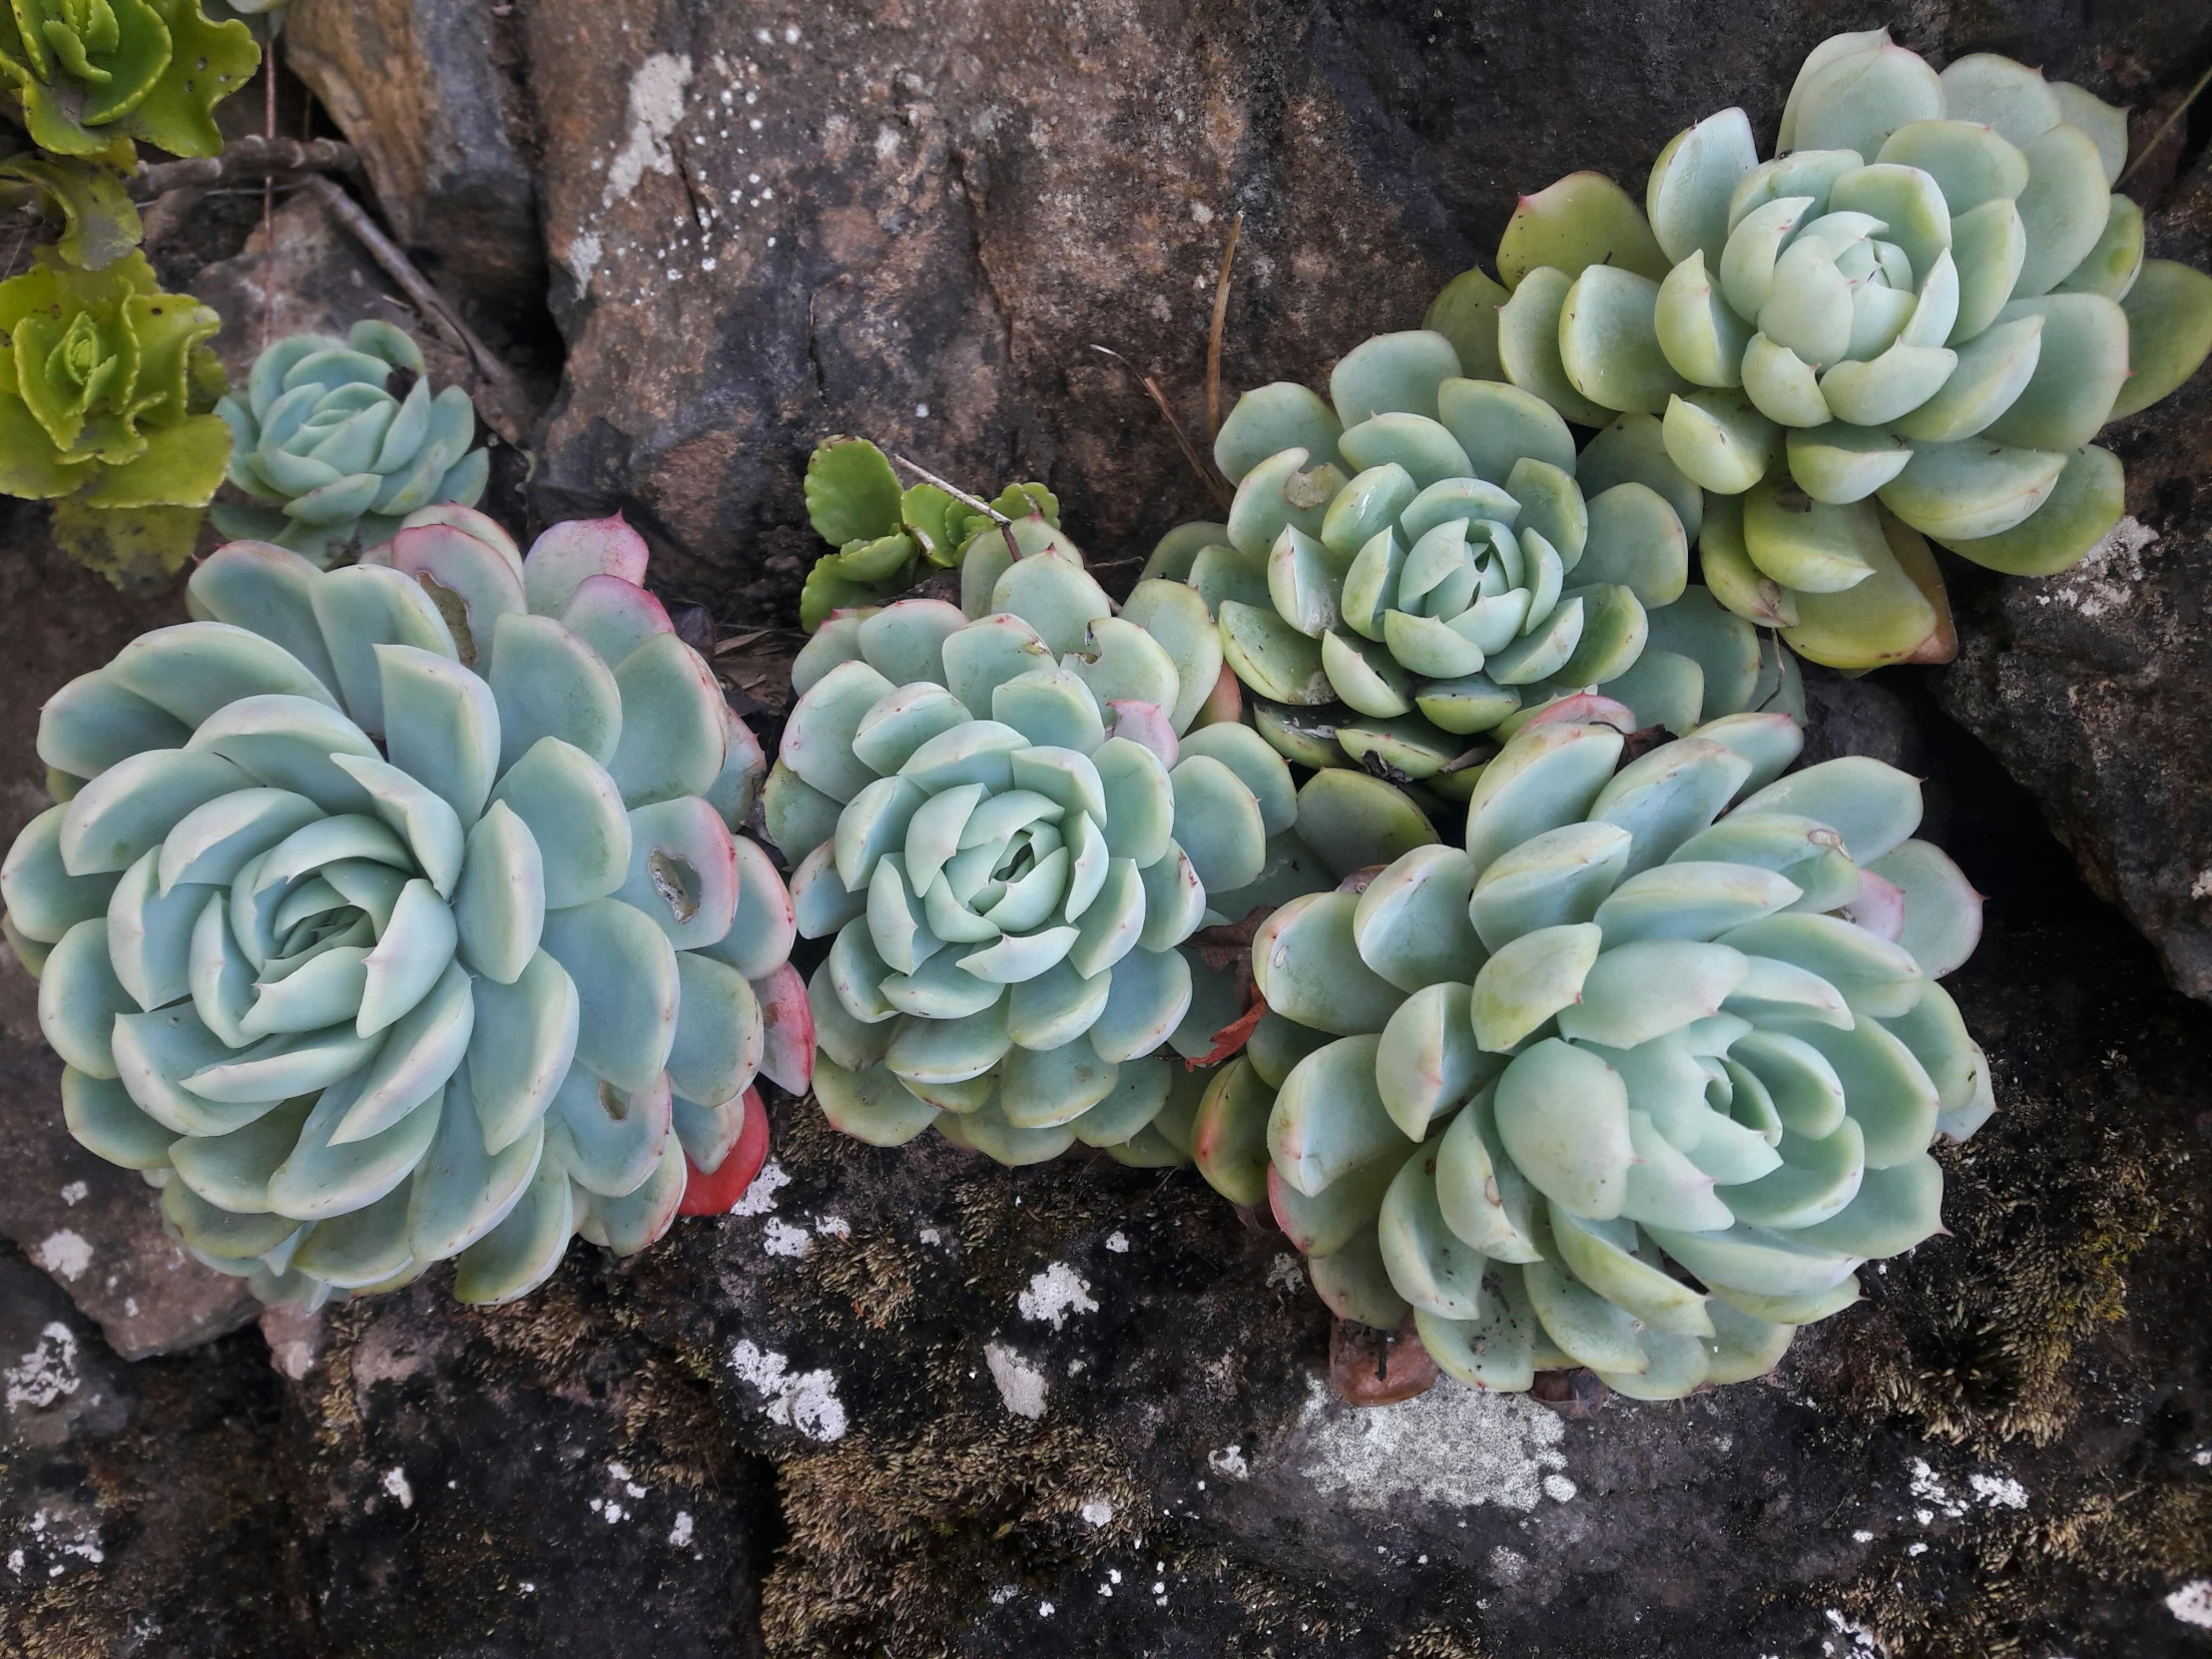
(1006, 827)
(372, 957)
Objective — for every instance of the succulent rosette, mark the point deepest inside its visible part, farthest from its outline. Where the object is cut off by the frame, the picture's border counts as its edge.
(330, 458)
(1637, 1080)
(394, 913)
(1008, 820)
(88, 76)
(1911, 322)
(1415, 561)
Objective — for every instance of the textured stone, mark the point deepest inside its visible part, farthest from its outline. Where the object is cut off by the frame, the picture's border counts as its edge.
(426, 90)
(2090, 685)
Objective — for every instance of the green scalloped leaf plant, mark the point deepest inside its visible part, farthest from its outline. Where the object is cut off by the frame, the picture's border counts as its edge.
(1637, 1080)
(887, 538)
(107, 388)
(94, 78)
(1911, 321)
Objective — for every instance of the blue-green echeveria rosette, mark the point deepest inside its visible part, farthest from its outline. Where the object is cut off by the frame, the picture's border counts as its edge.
(90, 77)
(1009, 821)
(1635, 1081)
(329, 458)
(1425, 556)
(1911, 320)
(378, 928)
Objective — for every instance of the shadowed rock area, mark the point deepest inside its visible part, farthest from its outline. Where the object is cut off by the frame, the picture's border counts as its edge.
(912, 1403)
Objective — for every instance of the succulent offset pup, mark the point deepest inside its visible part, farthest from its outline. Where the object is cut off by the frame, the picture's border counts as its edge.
(1911, 321)
(1409, 565)
(394, 913)
(1635, 1081)
(333, 457)
(1010, 825)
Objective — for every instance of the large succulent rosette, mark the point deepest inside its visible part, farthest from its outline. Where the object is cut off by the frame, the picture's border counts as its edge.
(1635, 1081)
(1007, 822)
(1413, 562)
(394, 913)
(1911, 321)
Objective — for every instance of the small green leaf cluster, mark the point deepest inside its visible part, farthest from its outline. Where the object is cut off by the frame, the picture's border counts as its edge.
(1910, 322)
(886, 537)
(329, 458)
(1636, 1081)
(396, 913)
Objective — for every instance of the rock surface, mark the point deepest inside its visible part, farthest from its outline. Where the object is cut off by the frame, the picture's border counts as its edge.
(909, 1403)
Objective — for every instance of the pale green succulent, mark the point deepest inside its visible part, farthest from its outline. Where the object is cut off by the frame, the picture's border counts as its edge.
(1911, 321)
(1009, 821)
(1636, 1081)
(336, 459)
(393, 913)
(1415, 561)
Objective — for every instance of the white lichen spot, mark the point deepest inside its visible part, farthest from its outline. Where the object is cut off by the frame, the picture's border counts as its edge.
(75, 1194)
(780, 1238)
(922, 411)
(656, 109)
(1862, 1536)
(1201, 212)
(928, 1235)
(834, 1227)
(807, 1400)
(1860, 1638)
(2192, 1603)
(1928, 1487)
(1118, 1242)
(584, 249)
(1559, 1488)
(45, 1374)
(1284, 1274)
(1022, 1385)
(760, 1198)
(1054, 1293)
(1230, 1460)
(1044, 1609)
(2107, 575)
(680, 1534)
(1097, 1513)
(1003, 1594)
(65, 1253)
(1915, 1548)
(1998, 1491)
(2201, 887)
(1452, 1444)
(395, 1483)
(1508, 1565)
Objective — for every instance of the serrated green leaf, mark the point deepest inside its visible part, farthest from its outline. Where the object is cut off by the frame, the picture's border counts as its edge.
(102, 222)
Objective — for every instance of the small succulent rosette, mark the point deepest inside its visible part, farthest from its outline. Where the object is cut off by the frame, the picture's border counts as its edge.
(329, 458)
(1911, 322)
(1635, 1081)
(1009, 822)
(395, 912)
(1418, 560)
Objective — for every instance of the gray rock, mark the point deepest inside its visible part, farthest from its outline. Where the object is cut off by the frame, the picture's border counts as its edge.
(2090, 685)
(428, 92)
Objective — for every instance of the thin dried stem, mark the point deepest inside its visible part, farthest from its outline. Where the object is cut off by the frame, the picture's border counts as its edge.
(2165, 127)
(1220, 326)
(507, 406)
(253, 156)
(958, 494)
(1205, 475)
(269, 183)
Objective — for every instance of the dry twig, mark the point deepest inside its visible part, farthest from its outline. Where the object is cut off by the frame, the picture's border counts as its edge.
(1205, 474)
(1220, 326)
